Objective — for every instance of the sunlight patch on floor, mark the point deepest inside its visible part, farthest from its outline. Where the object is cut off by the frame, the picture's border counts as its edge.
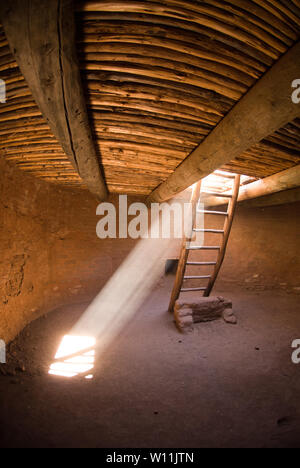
(74, 356)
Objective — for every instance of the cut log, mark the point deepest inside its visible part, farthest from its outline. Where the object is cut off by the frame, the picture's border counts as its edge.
(42, 39)
(267, 107)
(206, 309)
(276, 199)
(284, 180)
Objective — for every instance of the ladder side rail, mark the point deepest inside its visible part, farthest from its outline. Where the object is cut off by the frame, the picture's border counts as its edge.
(184, 253)
(227, 230)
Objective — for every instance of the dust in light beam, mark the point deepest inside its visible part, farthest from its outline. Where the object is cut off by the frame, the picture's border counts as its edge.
(112, 309)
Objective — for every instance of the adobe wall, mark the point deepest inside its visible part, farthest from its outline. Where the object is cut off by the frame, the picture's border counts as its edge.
(264, 249)
(50, 253)
(51, 256)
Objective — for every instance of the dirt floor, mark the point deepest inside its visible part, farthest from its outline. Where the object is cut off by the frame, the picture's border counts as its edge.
(220, 386)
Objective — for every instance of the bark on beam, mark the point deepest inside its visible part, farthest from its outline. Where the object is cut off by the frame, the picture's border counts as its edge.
(42, 38)
(284, 180)
(267, 107)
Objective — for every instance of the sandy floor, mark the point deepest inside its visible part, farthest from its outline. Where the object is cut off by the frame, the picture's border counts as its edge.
(221, 386)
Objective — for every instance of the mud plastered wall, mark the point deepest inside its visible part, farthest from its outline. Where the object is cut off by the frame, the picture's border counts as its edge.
(50, 253)
(51, 256)
(264, 249)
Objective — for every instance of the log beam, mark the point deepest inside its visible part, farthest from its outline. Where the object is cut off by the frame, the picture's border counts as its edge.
(267, 107)
(42, 38)
(276, 199)
(285, 180)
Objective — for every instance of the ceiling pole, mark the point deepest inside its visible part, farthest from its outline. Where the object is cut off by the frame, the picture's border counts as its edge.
(267, 107)
(41, 36)
(285, 180)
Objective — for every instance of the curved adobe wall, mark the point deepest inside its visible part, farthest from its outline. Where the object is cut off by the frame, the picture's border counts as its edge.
(50, 254)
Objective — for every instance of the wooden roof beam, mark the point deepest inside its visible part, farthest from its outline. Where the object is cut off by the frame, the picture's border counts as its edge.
(267, 107)
(42, 38)
(275, 199)
(285, 180)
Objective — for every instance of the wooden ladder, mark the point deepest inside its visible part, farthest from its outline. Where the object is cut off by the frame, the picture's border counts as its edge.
(187, 248)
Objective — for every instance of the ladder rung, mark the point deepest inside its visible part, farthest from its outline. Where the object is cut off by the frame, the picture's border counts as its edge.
(217, 194)
(203, 248)
(193, 289)
(201, 263)
(214, 231)
(222, 213)
(197, 277)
